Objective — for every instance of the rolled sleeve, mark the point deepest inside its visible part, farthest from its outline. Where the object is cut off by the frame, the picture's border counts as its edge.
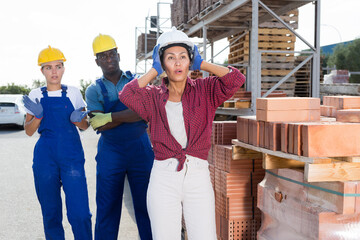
(92, 99)
(223, 88)
(137, 99)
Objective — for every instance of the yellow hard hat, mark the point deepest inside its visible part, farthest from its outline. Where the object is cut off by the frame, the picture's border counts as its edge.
(103, 43)
(50, 54)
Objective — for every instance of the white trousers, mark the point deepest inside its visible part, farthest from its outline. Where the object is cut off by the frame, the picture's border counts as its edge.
(171, 193)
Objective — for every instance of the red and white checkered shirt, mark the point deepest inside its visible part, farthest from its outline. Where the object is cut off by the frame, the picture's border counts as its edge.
(200, 100)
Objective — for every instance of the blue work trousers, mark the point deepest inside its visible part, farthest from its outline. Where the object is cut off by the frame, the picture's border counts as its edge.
(115, 160)
(57, 165)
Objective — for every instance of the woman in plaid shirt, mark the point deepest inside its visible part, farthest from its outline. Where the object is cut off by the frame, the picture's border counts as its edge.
(180, 113)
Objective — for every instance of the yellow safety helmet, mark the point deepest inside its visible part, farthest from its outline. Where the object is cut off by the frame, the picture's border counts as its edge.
(50, 54)
(103, 43)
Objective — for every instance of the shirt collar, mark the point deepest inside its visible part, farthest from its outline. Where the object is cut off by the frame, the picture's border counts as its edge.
(126, 74)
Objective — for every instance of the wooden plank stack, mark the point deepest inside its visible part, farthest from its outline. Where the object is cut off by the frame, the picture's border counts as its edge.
(242, 98)
(303, 76)
(274, 65)
(235, 173)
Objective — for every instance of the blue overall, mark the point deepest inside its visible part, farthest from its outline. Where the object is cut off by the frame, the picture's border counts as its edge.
(59, 161)
(123, 150)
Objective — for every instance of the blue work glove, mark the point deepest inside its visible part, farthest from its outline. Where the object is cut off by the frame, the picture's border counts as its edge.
(156, 60)
(34, 107)
(197, 60)
(77, 115)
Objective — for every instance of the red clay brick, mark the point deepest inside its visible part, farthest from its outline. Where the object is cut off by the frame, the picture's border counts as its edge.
(297, 139)
(284, 137)
(328, 111)
(348, 115)
(287, 103)
(331, 139)
(288, 115)
(290, 138)
(254, 132)
(261, 133)
(275, 136)
(342, 102)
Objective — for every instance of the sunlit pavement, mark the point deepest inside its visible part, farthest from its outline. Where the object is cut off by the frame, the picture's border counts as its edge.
(20, 214)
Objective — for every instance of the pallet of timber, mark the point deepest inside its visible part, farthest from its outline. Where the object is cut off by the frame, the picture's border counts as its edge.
(237, 104)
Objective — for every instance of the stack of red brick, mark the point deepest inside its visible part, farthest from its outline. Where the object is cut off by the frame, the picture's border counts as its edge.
(295, 209)
(235, 173)
(293, 125)
(344, 108)
(291, 207)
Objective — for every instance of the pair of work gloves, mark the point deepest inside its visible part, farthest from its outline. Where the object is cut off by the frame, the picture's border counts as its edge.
(100, 119)
(157, 64)
(36, 108)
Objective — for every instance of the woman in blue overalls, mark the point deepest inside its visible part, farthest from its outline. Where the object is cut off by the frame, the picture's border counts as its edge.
(56, 111)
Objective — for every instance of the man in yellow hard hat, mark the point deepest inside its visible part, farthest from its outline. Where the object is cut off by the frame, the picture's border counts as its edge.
(124, 148)
(56, 111)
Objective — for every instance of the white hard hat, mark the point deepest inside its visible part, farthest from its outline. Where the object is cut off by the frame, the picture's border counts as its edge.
(173, 37)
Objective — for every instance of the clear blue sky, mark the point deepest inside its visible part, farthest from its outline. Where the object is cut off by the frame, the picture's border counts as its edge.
(29, 26)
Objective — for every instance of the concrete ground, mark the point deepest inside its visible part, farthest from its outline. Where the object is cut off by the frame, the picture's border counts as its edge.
(20, 214)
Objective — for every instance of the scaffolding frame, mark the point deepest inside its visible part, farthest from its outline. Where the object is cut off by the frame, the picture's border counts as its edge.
(222, 9)
(254, 73)
(148, 52)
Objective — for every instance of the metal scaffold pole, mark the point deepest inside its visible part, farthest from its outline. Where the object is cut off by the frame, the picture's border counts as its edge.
(254, 61)
(315, 73)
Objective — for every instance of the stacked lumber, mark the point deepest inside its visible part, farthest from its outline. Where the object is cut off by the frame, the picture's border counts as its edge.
(274, 66)
(151, 42)
(303, 76)
(242, 98)
(295, 209)
(235, 173)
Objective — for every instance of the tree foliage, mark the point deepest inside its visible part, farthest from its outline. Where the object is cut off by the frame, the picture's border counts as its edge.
(83, 86)
(14, 89)
(38, 83)
(24, 89)
(347, 57)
